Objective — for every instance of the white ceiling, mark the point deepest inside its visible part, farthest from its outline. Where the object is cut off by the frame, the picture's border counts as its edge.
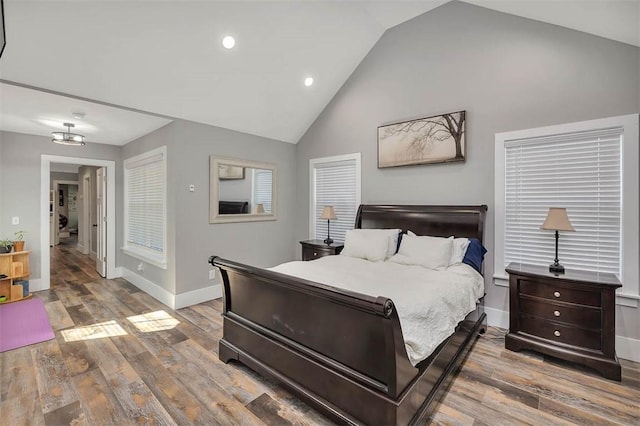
(166, 57)
(35, 112)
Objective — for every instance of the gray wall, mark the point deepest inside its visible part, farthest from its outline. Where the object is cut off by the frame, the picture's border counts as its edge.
(191, 239)
(20, 182)
(507, 72)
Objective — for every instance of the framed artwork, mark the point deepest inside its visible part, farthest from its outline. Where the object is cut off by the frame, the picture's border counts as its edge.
(60, 197)
(3, 38)
(227, 172)
(437, 139)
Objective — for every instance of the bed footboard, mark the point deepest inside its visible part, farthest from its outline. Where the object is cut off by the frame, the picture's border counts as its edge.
(341, 351)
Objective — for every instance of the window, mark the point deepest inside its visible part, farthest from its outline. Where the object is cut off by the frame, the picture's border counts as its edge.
(262, 185)
(591, 169)
(334, 181)
(145, 215)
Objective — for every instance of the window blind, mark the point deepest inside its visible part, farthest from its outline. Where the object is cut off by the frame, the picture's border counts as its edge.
(578, 171)
(263, 185)
(145, 198)
(335, 185)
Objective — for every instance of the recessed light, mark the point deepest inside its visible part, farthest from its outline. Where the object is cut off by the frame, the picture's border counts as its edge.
(308, 81)
(78, 115)
(228, 42)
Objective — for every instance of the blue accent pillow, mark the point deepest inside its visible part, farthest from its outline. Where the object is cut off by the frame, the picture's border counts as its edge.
(400, 234)
(475, 254)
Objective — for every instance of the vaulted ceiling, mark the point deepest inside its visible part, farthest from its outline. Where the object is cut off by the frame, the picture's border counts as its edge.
(166, 57)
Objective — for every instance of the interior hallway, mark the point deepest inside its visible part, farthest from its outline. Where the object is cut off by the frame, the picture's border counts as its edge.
(121, 357)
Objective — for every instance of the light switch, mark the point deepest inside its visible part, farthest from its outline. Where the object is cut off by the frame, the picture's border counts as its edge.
(212, 274)
(15, 220)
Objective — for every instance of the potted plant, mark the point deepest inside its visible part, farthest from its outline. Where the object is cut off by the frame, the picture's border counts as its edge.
(18, 243)
(5, 246)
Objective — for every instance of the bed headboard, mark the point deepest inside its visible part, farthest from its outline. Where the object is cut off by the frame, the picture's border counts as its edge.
(438, 221)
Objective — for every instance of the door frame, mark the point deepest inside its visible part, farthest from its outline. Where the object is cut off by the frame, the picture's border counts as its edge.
(56, 237)
(45, 182)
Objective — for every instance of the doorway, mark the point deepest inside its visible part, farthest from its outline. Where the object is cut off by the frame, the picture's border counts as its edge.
(104, 226)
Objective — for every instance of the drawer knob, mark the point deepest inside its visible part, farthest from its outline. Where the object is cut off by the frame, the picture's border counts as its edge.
(315, 253)
(556, 313)
(556, 293)
(556, 333)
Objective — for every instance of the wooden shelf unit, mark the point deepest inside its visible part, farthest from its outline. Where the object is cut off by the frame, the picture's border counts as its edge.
(15, 266)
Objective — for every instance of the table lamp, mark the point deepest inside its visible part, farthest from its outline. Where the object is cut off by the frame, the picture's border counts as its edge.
(557, 220)
(329, 214)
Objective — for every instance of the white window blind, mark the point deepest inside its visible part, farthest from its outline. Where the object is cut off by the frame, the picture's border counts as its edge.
(336, 182)
(145, 199)
(580, 171)
(263, 185)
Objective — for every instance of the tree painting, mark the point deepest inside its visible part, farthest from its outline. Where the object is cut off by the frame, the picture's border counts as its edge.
(438, 139)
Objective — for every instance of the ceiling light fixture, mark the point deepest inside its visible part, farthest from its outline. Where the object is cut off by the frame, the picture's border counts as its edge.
(308, 81)
(68, 138)
(228, 42)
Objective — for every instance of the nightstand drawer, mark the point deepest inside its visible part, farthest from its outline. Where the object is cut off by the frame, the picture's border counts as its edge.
(559, 333)
(310, 253)
(580, 316)
(560, 294)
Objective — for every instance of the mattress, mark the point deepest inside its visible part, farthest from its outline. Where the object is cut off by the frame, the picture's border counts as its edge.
(429, 303)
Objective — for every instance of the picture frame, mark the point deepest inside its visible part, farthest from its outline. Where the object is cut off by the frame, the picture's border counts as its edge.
(429, 140)
(229, 172)
(3, 34)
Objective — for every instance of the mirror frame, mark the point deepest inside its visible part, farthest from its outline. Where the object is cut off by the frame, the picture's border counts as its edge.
(214, 190)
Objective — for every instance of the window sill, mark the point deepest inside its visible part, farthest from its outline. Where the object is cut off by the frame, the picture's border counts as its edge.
(138, 254)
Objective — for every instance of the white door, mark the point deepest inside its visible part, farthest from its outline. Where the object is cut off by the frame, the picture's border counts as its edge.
(101, 221)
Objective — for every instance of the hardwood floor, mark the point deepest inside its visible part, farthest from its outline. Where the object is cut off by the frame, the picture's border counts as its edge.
(121, 357)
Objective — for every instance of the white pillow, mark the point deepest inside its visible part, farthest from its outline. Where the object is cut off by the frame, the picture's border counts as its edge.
(371, 244)
(458, 250)
(430, 252)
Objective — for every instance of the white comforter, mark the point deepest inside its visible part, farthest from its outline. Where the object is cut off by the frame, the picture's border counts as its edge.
(429, 303)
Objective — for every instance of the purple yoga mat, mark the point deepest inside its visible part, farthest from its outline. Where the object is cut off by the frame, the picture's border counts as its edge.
(23, 323)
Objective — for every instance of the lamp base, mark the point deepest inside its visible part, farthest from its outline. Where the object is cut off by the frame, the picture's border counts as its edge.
(556, 268)
(328, 241)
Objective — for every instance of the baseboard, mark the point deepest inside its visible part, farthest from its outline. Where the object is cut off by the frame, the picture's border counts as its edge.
(497, 318)
(149, 287)
(93, 255)
(198, 296)
(626, 347)
(118, 272)
(80, 248)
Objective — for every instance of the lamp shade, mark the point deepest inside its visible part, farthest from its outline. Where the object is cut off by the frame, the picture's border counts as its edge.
(328, 213)
(557, 220)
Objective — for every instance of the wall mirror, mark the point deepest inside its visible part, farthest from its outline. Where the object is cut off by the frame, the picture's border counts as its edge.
(241, 190)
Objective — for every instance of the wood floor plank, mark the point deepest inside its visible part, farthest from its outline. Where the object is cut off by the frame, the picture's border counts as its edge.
(135, 397)
(98, 400)
(76, 355)
(183, 407)
(58, 316)
(54, 382)
(24, 410)
(18, 375)
(70, 414)
(450, 416)
(241, 387)
(272, 413)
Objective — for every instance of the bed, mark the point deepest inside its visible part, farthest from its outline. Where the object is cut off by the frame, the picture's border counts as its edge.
(286, 328)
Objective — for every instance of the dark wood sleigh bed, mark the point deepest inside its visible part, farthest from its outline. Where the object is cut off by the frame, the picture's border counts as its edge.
(343, 352)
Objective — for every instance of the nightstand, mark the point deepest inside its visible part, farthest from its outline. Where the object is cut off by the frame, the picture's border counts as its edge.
(569, 316)
(314, 249)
